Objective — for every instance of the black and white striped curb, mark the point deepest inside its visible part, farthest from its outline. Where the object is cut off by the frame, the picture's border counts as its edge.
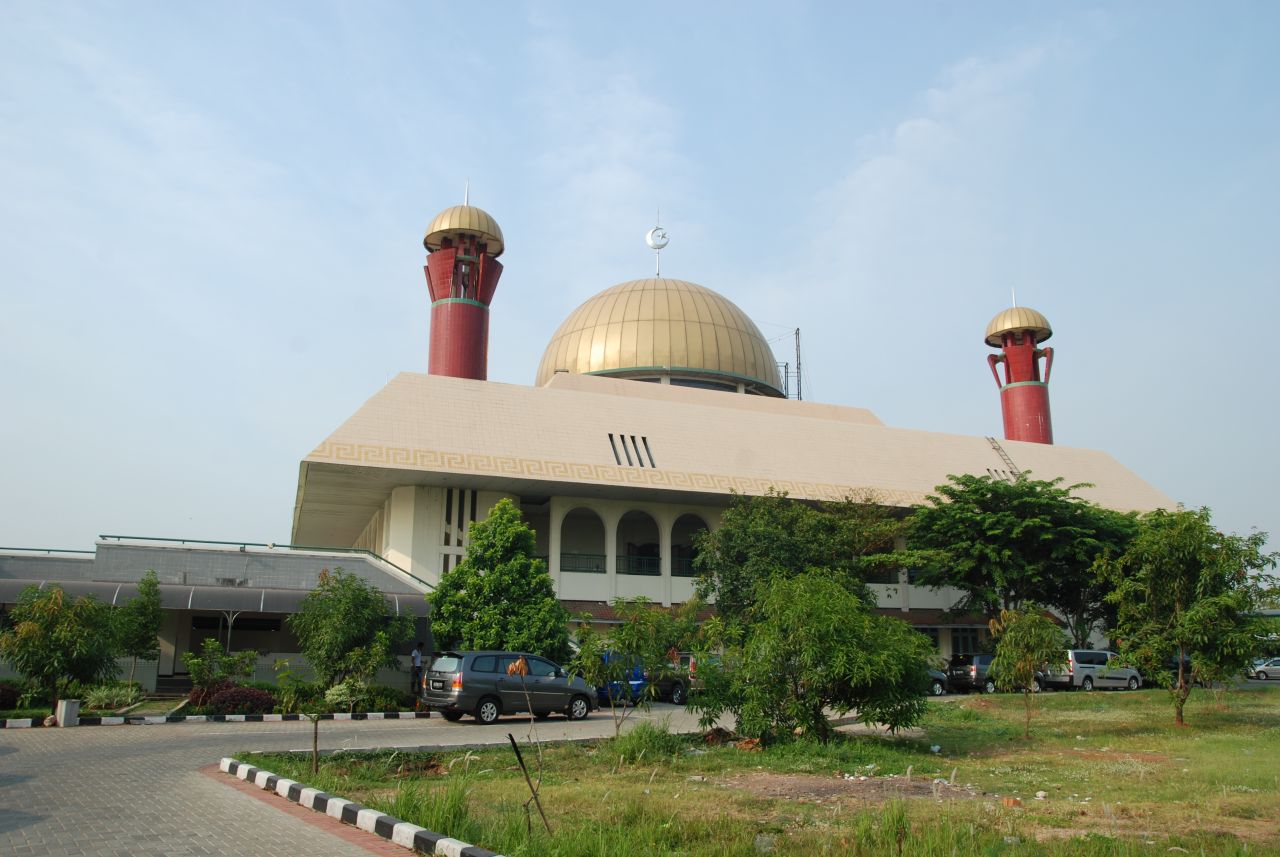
(146, 720)
(388, 827)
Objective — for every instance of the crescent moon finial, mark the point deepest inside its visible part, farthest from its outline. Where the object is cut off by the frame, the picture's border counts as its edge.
(657, 239)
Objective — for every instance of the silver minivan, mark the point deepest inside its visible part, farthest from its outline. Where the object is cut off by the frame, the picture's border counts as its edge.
(1089, 668)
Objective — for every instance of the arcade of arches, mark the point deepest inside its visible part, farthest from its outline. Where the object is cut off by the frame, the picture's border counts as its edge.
(604, 549)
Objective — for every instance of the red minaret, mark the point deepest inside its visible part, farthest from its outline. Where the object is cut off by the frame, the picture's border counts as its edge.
(1024, 395)
(463, 245)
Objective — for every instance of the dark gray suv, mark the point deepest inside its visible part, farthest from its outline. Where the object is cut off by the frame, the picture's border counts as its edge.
(478, 683)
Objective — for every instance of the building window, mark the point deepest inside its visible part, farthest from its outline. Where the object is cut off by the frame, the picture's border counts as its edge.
(932, 634)
(966, 641)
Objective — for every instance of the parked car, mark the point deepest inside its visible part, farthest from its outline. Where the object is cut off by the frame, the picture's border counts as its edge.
(1088, 669)
(673, 682)
(477, 683)
(969, 672)
(1267, 669)
(629, 688)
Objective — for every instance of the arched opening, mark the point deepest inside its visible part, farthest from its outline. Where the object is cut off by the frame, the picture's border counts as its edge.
(638, 545)
(582, 549)
(683, 551)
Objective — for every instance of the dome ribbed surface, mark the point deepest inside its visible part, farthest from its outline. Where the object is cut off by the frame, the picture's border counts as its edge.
(1018, 318)
(664, 326)
(461, 220)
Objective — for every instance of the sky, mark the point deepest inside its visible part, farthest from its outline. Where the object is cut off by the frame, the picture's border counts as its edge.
(211, 219)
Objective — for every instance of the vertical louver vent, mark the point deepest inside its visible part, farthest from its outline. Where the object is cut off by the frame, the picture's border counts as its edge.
(631, 450)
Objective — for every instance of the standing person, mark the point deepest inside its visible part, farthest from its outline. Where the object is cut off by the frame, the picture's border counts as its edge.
(416, 657)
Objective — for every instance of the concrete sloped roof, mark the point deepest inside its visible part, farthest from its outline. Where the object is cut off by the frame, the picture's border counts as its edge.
(555, 439)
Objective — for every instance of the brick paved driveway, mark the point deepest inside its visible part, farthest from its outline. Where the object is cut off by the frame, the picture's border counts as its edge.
(136, 791)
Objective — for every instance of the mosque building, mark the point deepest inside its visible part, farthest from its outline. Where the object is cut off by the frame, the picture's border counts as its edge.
(654, 402)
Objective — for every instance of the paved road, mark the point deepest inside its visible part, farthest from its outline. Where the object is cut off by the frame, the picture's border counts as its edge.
(136, 791)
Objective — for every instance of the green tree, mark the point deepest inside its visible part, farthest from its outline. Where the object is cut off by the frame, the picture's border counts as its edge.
(138, 623)
(345, 630)
(500, 596)
(647, 635)
(1187, 593)
(1005, 543)
(815, 646)
(55, 640)
(773, 537)
(214, 669)
(1027, 642)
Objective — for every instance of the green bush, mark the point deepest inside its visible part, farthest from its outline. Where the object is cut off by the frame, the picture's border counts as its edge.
(10, 692)
(381, 697)
(648, 740)
(112, 695)
(348, 694)
(242, 700)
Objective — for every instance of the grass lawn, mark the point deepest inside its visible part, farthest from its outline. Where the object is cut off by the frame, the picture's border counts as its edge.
(1118, 779)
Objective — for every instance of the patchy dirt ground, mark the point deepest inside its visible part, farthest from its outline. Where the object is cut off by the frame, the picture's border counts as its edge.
(869, 790)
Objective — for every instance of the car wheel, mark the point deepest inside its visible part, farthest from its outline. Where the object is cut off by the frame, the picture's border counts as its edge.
(936, 688)
(451, 716)
(1133, 682)
(1087, 684)
(1036, 687)
(1261, 676)
(488, 710)
(989, 686)
(677, 694)
(579, 708)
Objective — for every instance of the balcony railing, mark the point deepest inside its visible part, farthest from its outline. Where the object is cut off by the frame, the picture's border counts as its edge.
(583, 563)
(682, 566)
(646, 565)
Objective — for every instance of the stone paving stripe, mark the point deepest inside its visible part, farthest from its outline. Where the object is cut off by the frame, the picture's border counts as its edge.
(333, 808)
(157, 719)
(385, 825)
(319, 821)
(425, 841)
(351, 812)
(398, 832)
(404, 833)
(367, 819)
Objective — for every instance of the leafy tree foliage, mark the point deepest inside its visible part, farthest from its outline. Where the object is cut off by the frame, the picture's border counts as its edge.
(138, 623)
(1006, 543)
(647, 635)
(815, 646)
(345, 630)
(773, 537)
(1027, 642)
(1186, 594)
(214, 670)
(500, 596)
(55, 640)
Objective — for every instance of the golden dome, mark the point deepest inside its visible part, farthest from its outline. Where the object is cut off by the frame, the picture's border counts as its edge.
(654, 327)
(1018, 318)
(465, 220)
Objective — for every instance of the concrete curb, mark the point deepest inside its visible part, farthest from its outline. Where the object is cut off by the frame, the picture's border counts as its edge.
(402, 833)
(34, 723)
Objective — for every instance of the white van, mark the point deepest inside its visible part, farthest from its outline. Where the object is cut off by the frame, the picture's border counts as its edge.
(1088, 669)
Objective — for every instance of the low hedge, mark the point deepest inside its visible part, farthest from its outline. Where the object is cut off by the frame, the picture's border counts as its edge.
(242, 700)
